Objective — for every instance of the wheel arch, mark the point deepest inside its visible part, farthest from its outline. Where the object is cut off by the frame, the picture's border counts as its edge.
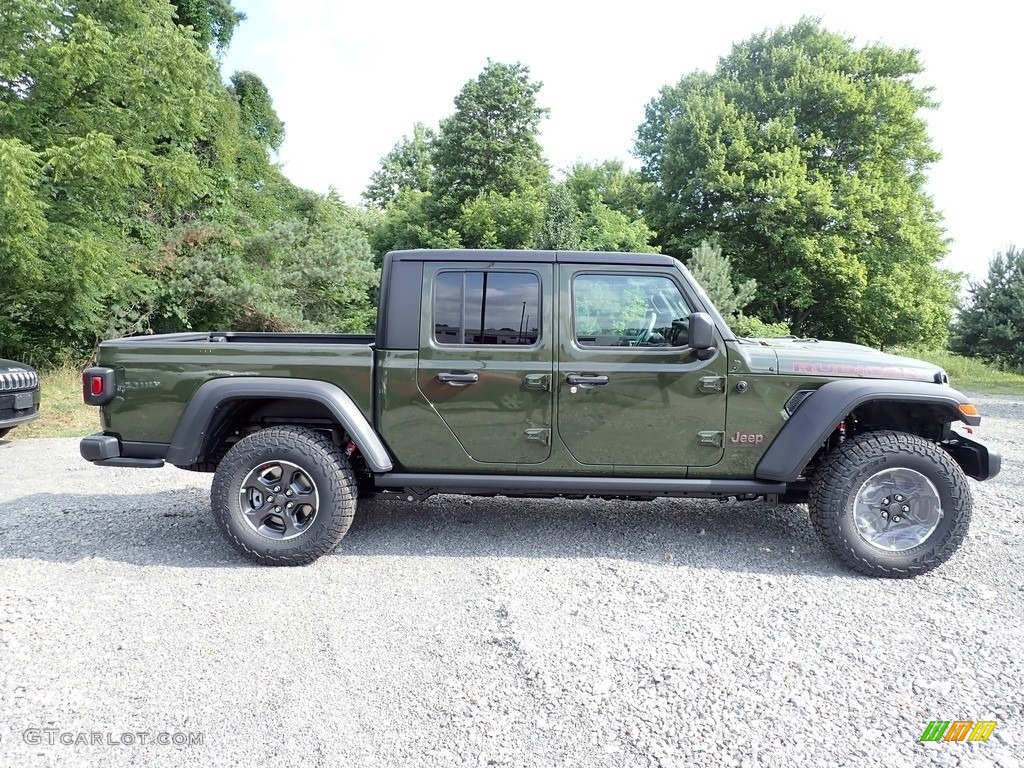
(921, 408)
(217, 402)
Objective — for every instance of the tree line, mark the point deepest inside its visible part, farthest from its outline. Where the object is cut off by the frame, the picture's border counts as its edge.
(139, 192)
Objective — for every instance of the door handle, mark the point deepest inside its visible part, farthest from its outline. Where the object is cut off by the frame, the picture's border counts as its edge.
(458, 379)
(584, 379)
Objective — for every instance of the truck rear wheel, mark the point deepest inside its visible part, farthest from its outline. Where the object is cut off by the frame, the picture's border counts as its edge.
(890, 504)
(284, 496)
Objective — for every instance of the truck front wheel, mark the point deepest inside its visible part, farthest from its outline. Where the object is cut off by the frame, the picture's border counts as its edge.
(284, 496)
(890, 504)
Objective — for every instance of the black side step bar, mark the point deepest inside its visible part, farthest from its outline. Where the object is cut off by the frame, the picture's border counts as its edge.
(422, 485)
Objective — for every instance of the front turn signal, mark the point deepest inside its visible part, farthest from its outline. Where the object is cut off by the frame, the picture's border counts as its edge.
(968, 410)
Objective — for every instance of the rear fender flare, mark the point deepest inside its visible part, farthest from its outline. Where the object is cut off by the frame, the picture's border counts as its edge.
(192, 429)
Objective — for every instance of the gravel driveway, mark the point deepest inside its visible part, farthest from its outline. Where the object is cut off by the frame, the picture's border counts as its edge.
(492, 632)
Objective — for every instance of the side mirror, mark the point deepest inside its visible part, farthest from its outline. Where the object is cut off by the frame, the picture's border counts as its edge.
(701, 335)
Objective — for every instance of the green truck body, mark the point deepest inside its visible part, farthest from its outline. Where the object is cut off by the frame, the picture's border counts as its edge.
(528, 373)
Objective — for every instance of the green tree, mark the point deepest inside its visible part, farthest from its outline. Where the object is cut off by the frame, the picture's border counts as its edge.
(806, 158)
(213, 21)
(713, 271)
(409, 222)
(320, 273)
(137, 191)
(312, 272)
(488, 149)
(597, 208)
(256, 109)
(563, 223)
(992, 326)
(102, 106)
(480, 182)
(621, 190)
(493, 220)
(408, 166)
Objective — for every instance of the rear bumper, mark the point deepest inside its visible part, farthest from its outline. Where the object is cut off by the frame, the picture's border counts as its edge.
(974, 458)
(106, 451)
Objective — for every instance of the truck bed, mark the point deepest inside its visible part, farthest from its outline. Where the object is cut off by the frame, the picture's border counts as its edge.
(157, 375)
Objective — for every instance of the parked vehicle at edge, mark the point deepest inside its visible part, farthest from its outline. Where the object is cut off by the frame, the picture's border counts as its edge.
(19, 395)
(535, 373)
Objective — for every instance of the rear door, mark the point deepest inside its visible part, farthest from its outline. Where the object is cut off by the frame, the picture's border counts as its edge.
(630, 391)
(487, 357)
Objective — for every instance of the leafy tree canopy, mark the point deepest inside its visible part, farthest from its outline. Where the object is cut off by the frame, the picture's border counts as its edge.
(101, 109)
(259, 120)
(137, 192)
(805, 157)
(479, 182)
(408, 166)
(490, 142)
(609, 202)
(213, 21)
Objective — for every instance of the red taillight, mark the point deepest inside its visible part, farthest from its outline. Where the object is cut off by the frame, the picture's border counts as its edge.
(98, 387)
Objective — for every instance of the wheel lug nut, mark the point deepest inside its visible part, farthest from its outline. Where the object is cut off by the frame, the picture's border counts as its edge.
(885, 501)
(898, 497)
(287, 493)
(896, 518)
(906, 508)
(289, 505)
(885, 515)
(277, 509)
(277, 489)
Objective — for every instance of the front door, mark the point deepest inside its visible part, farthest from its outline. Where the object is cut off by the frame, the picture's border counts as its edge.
(631, 393)
(487, 357)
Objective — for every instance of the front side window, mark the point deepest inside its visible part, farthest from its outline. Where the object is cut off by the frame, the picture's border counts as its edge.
(628, 311)
(487, 308)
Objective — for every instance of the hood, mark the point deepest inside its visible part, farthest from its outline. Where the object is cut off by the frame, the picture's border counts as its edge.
(9, 366)
(811, 357)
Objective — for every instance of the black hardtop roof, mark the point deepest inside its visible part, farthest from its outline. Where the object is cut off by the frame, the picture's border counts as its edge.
(537, 257)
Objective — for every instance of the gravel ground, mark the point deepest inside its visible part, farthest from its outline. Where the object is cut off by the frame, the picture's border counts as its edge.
(493, 632)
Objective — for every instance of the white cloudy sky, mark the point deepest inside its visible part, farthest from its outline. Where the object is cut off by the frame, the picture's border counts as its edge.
(349, 80)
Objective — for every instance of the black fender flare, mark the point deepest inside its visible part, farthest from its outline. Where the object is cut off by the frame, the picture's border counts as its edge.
(195, 420)
(818, 415)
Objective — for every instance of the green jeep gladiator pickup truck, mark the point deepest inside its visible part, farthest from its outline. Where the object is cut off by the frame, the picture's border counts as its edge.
(546, 374)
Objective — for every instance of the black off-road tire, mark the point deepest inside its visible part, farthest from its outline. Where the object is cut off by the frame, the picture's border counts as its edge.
(844, 472)
(311, 459)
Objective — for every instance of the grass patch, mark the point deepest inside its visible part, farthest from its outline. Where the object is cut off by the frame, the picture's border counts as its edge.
(61, 410)
(969, 374)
